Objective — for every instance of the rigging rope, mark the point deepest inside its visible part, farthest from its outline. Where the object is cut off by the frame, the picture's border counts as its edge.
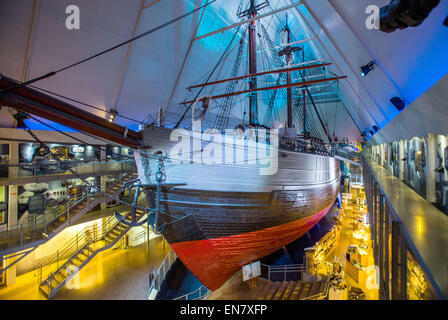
(209, 77)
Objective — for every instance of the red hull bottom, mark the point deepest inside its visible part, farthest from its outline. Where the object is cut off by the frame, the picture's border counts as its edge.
(214, 261)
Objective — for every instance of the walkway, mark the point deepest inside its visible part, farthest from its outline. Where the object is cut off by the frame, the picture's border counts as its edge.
(425, 225)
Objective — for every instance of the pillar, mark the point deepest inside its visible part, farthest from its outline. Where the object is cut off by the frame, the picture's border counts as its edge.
(401, 156)
(13, 190)
(431, 162)
(10, 274)
(103, 158)
(395, 272)
(403, 268)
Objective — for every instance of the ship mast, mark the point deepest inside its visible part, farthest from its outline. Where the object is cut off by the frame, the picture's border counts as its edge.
(250, 14)
(253, 106)
(287, 52)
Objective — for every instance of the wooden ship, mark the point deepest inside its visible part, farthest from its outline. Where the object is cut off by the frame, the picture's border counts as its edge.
(221, 216)
(218, 217)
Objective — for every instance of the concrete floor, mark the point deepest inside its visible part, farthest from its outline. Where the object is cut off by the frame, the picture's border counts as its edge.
(113, 274)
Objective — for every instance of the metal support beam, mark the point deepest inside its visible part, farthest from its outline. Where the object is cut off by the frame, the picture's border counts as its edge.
(32, 101)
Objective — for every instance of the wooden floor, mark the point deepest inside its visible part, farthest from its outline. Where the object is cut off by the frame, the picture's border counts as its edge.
(426, 226)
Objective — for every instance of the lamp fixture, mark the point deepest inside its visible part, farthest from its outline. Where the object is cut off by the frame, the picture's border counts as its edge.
(112, 114)
(367, 68)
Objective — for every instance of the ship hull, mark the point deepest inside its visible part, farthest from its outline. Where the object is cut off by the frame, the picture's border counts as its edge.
(214, 261)
(227, 216)
(216, 233)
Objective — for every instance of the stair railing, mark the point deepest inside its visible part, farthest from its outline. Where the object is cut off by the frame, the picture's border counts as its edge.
(72, 246)
(77, 244)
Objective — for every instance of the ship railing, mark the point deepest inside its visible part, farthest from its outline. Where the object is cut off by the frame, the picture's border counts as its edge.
(160, 275)
(201, 293)
(312, 146)
(292, 272)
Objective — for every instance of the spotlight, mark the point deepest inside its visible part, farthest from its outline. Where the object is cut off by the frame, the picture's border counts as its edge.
(398, 103)
(400, 14)
(371, 132)
(112, 114)
(375, 128)
(367, 68)
(20, 118)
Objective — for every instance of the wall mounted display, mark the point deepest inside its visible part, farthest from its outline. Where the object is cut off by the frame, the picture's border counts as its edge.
(441, 173)
(4, 159)
(3, 204)
(35, 160)
(116, 153)
(412, 161)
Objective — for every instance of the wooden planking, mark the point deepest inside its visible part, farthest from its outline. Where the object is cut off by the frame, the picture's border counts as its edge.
(268, 210)
(214, 261)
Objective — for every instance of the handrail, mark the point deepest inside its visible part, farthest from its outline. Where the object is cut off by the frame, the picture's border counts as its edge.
(44, 275)
(200, 295)
(58, 168)
(86, 235)
(297, 269)
(139, 235)
(160, 275)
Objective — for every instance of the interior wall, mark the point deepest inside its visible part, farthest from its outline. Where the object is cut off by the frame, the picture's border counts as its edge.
(428, 114)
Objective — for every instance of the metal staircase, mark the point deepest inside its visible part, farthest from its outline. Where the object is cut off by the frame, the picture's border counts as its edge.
(31, 234)
(62, 267)
(28, 237)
